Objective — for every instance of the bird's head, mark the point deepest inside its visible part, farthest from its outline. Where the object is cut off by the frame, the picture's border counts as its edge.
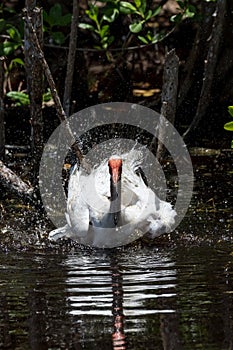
(115, 168)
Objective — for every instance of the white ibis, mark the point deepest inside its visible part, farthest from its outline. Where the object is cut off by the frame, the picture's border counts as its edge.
(113, 205)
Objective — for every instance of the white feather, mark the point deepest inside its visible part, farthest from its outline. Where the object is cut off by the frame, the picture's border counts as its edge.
(88, 206)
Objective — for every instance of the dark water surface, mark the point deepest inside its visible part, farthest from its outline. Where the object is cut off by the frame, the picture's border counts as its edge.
(147, 298)
(172, 296)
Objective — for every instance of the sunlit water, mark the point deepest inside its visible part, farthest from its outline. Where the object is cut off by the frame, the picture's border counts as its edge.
(179, 299)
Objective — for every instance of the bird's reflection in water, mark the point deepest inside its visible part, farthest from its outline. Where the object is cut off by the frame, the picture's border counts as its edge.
(118, 336)
(114, 296)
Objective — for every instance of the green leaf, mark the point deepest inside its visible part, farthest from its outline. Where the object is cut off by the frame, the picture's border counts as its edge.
(9, 47)
(14, 33)
(230, 110)
(18, 61)
(55, 13)
(110, 14)
(143, 6)
(136, 27)
(189, 14)
(15, 62)
(137, 3)
(127, 8)
(105, 45)
(64, 20)
(47, 96)
(176, 18)
(228, 126)
(11, 32)
(190, 11)
(144, 40)
(86, 26)
(93, 13)
(104, 39)
(157, 38)
(97, 47)
(21, 97)
(156, 11)
(148, 15)
(55, 17)
(58, 37)
(104, 31)
(125, 11)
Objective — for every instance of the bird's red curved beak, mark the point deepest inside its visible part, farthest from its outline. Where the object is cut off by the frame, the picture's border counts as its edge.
(115, 166)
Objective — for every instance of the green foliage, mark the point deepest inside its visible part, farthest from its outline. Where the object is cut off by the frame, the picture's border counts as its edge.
(15, 63)
(137, 16)
(230, 110)
(11, 31)
(15, 40)
(100, 19)
(229, 126)
(52, 21)
(20, 98)
(55, 19)
(186, 10)
(47, 96)
(102, 14)
(99, 27)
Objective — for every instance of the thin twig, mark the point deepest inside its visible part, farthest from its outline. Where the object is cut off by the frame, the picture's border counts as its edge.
(2, 111)
(116, 49)
(71, 58)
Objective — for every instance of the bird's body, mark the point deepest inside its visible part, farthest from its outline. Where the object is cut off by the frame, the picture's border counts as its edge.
(106, 211)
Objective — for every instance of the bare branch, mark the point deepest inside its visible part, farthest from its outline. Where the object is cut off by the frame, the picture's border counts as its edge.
(71, 59)
(169, 97)
(2, 112)
(210, 65)
(12, 182)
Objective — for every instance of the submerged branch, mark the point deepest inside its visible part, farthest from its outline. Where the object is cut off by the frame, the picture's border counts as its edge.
(12, 183)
